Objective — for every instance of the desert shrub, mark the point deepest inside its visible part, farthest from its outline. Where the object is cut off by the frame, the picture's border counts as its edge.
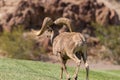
(15, 45)
(110, 38)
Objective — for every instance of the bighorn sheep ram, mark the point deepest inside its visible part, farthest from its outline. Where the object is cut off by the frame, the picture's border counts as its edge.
(66, 45)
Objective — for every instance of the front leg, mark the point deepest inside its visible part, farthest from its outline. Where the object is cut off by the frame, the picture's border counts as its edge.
(63, 68)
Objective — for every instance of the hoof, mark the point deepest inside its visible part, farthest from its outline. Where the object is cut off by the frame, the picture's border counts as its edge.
(68, 78)
(75, 78)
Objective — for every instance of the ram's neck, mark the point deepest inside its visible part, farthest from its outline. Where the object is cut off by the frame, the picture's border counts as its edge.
(54, 34)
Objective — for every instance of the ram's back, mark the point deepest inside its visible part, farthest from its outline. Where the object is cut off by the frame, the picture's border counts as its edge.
(68, 42)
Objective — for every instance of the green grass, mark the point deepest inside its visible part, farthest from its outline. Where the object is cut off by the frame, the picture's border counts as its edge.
(12, 69)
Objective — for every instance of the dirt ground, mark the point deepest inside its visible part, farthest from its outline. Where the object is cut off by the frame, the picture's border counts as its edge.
(98, 65)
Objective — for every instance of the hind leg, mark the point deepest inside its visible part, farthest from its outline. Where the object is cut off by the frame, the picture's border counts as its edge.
(84, 55)
(77, 59)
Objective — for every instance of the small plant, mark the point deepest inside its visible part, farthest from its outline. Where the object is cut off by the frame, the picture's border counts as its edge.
(15, 45)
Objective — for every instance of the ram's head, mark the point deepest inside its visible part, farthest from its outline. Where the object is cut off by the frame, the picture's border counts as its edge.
(49, 26)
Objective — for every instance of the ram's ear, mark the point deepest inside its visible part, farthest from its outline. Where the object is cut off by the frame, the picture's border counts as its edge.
(49, 29)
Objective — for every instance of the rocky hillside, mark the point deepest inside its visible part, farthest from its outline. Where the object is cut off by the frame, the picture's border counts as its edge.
(81, 12)
(113, 4)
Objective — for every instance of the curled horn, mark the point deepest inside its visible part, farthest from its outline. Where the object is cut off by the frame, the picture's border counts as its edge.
(46, 23)
(64, 21)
